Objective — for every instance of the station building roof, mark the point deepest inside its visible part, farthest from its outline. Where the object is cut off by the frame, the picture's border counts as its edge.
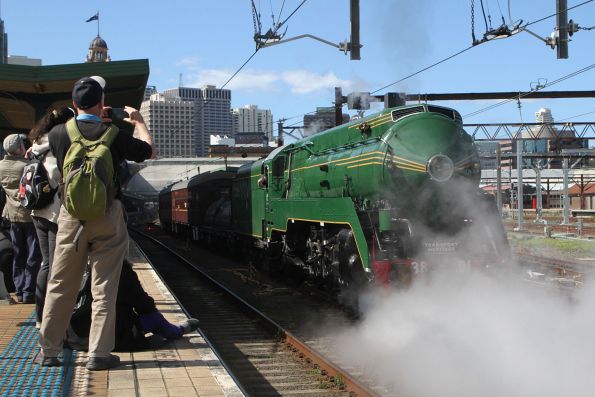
(154, 175)
(27, 92)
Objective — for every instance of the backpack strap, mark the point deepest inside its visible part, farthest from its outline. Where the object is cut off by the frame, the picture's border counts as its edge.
(73, 130)
(75, 134)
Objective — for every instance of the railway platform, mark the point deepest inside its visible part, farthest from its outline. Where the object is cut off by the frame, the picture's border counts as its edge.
(184, 367)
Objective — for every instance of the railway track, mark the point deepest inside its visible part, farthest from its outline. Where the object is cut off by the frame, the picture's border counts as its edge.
(558, 272)
(265, 358)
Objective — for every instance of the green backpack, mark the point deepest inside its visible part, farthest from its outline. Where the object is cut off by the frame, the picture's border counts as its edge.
(88, 173)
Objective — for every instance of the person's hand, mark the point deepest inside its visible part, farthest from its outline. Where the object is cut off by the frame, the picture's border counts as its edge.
(105, 112)
(134, 115)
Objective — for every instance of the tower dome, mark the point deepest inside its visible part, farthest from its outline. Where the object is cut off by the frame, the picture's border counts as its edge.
(98, 42)
(98, 51)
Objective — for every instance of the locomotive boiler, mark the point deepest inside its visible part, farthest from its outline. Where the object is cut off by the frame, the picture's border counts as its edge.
(384, 197)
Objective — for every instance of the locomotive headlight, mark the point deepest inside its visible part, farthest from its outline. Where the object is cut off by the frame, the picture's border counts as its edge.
(440, 168)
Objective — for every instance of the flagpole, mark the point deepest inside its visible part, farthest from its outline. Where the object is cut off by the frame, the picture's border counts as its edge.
(97, 23)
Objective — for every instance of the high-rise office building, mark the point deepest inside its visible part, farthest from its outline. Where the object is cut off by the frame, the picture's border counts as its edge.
(252, 120)
(211, 113)
(149, 90)
(3, 44)
(544, 115)
(171, 122)
(323, 119)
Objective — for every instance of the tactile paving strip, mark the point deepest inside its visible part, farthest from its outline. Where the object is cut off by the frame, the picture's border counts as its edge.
(22, 377)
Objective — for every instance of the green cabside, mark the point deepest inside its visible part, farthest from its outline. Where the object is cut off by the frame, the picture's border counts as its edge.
(249, 201)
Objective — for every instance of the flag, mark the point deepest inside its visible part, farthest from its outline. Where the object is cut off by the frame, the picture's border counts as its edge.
(93, 18)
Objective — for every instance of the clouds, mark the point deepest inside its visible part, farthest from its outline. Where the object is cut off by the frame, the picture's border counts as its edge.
(300, 82)
(305, 82)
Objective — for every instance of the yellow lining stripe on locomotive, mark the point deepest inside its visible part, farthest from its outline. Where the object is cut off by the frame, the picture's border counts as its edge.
(358, 160)
(361, 165)
(380, 122)
(336, 161)
(401, 164)
(404, 167)
(372, 120)
(413, 163)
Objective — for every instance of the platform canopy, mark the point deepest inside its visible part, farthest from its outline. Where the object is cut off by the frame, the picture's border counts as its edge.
(27, 92)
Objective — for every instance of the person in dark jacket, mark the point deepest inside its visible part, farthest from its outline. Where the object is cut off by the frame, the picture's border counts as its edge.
(136, 315)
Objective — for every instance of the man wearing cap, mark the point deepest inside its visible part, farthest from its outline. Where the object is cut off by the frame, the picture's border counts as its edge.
(27, 255)
(102, 242)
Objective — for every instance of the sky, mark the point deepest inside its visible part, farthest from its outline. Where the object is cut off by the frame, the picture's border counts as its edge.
(207, 41)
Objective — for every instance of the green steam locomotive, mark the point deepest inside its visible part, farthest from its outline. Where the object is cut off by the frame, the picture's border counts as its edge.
(384, 197)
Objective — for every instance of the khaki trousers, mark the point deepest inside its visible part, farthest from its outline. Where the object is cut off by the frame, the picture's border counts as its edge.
(104, 244)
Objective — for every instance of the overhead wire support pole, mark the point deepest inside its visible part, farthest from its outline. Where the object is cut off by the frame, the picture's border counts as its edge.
(354, 44)
(562, 22)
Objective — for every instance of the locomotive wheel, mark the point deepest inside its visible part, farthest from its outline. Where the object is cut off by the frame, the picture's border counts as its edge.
(352, 275)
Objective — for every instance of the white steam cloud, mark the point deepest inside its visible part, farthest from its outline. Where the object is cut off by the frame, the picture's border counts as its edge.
(479, 335)
(486, 332)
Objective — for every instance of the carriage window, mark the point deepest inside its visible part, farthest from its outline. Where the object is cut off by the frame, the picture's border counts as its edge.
(279, 166)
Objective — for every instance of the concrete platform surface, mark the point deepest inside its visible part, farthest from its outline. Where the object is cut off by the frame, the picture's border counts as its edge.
(185, 367)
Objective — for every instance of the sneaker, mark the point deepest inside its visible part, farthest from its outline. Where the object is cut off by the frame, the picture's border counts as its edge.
(28, 300)
(19, 299)
(44, 361)
(102, 363)
(189, 325)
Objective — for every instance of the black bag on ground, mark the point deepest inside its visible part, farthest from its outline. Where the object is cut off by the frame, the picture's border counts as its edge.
(129, 335)
(35, 191)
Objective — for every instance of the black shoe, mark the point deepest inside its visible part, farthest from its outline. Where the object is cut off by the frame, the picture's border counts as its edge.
(102, 363)
(29, 300)
(189, 325)
(40, 359)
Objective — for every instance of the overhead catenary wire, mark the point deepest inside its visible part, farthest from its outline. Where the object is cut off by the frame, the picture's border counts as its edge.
(424, 69)
(254, 53)
(463, 51)
(290, 15)
(466, 49)
(524, 94)
(280, 13)
(203, 103)
(576, 116)
(556, 13)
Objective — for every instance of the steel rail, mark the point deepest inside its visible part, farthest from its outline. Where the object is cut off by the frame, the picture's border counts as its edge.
(351, 385)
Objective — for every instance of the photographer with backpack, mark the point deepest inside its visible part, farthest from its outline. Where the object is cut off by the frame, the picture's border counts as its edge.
(91, 223)
(45, 209)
